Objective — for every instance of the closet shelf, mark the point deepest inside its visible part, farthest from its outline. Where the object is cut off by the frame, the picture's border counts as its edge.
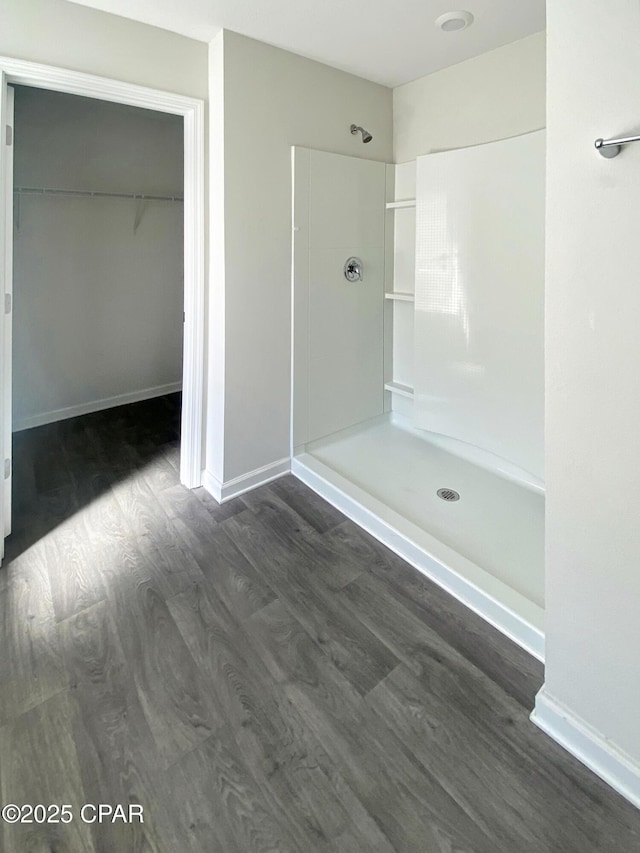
(399, 205)
(399, 389)
(141, 199)
(400, 296)
(93, 194)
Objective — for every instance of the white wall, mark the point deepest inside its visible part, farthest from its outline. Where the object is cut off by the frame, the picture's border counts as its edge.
(492, 96)
(400, 315)
(592, 357)
(98, 308)
(479, 305)
(272, 100)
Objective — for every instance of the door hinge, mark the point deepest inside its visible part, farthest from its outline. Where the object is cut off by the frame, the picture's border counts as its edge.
(7, 303)
(184, 317)
(9, 136)
(7, 468)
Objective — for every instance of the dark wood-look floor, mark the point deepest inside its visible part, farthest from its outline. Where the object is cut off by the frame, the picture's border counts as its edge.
(261, 676)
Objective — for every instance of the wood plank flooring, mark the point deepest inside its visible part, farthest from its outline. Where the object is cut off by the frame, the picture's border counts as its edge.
(260, 676)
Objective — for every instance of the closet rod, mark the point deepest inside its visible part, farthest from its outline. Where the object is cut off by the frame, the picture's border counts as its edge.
(93, 194)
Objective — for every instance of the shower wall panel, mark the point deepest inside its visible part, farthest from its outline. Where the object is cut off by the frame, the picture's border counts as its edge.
(479, 309)
(339, 212)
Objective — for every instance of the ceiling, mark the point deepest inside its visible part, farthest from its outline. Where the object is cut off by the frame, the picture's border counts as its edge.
(387, 41)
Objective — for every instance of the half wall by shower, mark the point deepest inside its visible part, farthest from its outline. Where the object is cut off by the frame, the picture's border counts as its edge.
(422, 381)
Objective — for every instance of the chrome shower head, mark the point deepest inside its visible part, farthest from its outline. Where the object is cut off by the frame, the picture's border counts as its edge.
(366, 136)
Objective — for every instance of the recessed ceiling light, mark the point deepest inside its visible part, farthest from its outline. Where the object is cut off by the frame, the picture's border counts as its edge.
(452, 21)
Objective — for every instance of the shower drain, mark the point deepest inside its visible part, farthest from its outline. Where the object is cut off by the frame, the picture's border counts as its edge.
(448, 494)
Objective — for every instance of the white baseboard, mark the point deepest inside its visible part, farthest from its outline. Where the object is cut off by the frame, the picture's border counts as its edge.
(95, 406)
(502, 607)
(223, 492)
(588, 745)
(212, 485)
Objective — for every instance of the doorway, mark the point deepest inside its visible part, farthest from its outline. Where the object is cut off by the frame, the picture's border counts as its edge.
(192, 113)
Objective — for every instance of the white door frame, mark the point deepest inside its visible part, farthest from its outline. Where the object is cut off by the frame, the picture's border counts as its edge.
(6, 410)
(192, 111)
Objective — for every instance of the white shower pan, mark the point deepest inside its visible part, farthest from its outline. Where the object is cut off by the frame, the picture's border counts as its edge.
(487, 548)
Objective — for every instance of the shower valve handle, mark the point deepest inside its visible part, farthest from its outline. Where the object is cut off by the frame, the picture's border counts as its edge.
(353, 269)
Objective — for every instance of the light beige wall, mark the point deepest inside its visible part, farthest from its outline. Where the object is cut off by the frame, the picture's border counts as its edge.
(273, 100)
(66, 35)
(215, 397)
(97, 306)
(78, 143)
(592, 354)
(492, 96)
(55, 32)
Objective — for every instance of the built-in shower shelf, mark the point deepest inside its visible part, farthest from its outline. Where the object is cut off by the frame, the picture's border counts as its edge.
(399, 205)
(400, 296)
(400, 389)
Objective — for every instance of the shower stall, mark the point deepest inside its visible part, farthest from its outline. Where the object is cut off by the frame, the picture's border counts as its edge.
(417, 357)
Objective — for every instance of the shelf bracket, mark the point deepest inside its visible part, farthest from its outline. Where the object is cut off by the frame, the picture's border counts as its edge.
(141, 206)
(16, 211)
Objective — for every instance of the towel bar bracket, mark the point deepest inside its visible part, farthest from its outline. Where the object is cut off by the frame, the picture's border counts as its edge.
(612, 147)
